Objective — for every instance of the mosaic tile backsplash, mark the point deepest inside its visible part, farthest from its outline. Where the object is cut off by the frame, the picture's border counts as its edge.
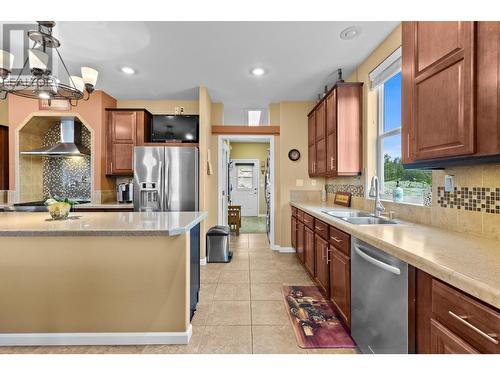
(479, 199)
(66, 176)
(355, 190)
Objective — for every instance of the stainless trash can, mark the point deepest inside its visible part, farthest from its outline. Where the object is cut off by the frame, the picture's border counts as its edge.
(218, 245)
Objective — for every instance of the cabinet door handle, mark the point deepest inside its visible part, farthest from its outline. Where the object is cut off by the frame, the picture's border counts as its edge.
(111, 167)
(336, 239)
(331, 163)
(463, 319)
(328, 260)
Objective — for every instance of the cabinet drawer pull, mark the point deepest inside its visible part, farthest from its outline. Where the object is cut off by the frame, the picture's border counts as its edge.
(331, 163)
(318, 228)
(336, 239)
(463, 319)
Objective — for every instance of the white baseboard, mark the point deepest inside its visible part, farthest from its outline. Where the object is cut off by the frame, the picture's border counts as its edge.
(203, 261)
(283, 249)
(105, 338)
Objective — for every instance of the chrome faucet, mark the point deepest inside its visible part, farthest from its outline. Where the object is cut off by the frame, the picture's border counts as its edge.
(378, 208)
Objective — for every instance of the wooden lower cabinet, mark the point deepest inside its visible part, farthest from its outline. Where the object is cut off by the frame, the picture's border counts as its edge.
(340, 283)
(322, 274)
(443, 341)
(300, 241)
(293, 228)
(309, 254)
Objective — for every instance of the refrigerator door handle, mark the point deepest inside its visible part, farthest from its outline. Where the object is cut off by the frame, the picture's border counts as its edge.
(160, 184)
(167, 183)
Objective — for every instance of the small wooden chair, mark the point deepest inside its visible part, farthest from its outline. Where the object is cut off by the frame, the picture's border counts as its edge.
(234, 218)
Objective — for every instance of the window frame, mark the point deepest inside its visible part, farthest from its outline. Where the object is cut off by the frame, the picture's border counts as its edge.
(381, 135)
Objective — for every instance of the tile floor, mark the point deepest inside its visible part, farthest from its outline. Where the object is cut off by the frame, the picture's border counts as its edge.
(241, 308)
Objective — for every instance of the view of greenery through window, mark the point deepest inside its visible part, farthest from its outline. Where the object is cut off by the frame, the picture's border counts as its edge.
(415, 183)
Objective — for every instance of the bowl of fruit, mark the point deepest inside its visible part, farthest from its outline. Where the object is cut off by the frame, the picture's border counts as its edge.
(59, 207)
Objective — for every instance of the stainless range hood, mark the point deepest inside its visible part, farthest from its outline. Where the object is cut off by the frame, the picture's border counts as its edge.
(70, 143)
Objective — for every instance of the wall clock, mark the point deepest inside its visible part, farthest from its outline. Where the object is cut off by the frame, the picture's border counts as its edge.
(294, 154)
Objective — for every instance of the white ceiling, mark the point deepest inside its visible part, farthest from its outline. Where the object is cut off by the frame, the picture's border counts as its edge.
(173, 58)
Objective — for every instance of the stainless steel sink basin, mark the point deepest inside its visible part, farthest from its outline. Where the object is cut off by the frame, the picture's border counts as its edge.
(368, 220)
(345, 214)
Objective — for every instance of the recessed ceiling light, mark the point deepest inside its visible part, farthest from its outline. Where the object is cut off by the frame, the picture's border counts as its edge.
(127, 70)
(350, 33)
(258, 72)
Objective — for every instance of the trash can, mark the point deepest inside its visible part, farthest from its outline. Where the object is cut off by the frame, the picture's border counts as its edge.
(218, 245)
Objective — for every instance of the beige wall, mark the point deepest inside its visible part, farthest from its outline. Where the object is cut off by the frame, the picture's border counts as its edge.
(160, 107)
(4, 112)
(253, 151)
(293, 134)
(94, 284)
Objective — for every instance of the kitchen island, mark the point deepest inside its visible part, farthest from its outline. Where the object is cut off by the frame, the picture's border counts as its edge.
(98, 278)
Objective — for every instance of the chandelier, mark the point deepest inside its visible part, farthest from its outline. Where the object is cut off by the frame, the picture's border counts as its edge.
(38, 82)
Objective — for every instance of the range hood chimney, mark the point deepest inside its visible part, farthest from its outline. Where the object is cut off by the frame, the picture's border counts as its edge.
(70, 143)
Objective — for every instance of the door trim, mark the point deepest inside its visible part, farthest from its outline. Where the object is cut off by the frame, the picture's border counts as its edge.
(220, 183)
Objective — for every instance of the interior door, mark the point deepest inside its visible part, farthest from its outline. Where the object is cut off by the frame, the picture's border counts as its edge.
(245, 186)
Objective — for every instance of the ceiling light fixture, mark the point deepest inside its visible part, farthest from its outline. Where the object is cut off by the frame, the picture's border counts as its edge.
(350, 33)
(258, 72)
(127, 70)
(38, 82)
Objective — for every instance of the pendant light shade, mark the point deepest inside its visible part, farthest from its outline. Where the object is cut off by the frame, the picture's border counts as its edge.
(6, 61)
(89, 76)
(38, 59)
(77, 83)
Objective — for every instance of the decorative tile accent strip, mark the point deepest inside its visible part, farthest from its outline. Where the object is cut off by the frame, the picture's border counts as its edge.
(355, 190)
(66, 176)
(480, 199)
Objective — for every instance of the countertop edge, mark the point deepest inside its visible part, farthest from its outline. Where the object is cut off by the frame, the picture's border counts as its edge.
(472, 286)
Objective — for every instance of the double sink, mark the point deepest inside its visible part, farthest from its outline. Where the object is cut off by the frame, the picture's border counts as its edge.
(359, 217)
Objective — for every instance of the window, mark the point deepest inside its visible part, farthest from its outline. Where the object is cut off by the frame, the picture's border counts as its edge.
(245, 176)
(415, 184)
(254, 117)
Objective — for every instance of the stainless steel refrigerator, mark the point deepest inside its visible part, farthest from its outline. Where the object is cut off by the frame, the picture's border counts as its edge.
(165, 179)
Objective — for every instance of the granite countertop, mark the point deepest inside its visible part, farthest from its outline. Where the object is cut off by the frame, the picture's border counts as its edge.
(24, 224)
(468, 262)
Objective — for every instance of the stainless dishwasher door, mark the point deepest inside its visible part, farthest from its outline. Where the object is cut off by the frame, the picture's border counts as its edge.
(379, 300)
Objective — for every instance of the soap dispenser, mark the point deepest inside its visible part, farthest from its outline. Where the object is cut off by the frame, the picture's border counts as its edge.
(397, 194)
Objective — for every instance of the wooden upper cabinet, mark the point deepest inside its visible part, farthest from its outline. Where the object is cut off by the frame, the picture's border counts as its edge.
(125, 130)
(312, 144)
(331, 131)
(349, 125)
(123, 126)
(438, 89)
(337, 142)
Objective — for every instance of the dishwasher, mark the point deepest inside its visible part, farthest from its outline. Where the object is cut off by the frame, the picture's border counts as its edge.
(382, 301)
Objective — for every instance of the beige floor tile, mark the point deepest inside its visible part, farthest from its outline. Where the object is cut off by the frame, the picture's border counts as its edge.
(232, 292)
(209, 276)
(207, 292)
(226, 340)
(266, 276)
(263, 265)
(213, 266)
(90, 349)
(269, 313)
(237, 265)
(190, 348)
(266, 292)
(18, 349)
(275, 340)
(229, 313)
(230, 277)
(201, 313)
(296, 278)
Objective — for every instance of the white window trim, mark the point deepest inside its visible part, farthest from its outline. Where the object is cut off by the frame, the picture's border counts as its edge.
(381, 135)
(386, 69)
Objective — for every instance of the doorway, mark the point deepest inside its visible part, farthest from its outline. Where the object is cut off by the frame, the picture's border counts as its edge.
(246, 182)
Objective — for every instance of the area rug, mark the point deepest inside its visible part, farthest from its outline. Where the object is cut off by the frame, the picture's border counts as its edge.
(253, 224)
(314, 320)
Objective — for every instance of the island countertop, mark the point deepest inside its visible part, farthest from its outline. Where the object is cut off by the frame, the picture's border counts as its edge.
(33, 224)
